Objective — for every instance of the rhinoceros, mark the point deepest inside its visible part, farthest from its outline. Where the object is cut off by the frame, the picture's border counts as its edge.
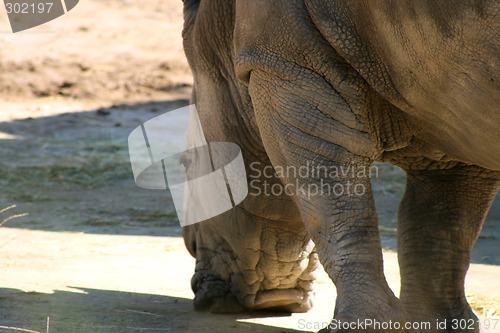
(333, 86)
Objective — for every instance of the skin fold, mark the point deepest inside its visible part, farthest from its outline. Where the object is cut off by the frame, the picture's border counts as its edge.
(341, 84)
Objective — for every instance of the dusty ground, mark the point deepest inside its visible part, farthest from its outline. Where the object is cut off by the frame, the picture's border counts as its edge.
(97, 253)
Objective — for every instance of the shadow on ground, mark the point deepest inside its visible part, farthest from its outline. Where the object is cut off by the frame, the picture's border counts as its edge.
(71, 172)
(108, 311)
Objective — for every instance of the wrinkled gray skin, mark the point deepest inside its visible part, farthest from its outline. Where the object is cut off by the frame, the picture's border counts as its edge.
(346, 83)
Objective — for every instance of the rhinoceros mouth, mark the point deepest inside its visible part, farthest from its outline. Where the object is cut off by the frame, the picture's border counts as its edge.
(285, 299)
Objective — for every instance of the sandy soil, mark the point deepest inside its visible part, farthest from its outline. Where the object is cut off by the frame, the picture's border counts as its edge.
(96, 253)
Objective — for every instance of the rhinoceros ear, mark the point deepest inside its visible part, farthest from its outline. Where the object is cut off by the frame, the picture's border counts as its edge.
(189, 234)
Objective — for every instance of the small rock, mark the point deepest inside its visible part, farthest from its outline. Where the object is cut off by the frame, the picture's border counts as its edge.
(66, 84)
(83, 67)
(103, 112)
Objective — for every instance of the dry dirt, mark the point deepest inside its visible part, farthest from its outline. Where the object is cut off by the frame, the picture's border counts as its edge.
(96, 253)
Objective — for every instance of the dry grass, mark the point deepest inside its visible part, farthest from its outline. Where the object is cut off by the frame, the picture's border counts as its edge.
(18, 329)
(11, 217)
(484, 306)
(11, 328)
(88, 164)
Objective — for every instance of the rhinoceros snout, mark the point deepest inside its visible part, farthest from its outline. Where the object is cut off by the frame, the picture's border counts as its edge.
(214, 295)
(219, 296)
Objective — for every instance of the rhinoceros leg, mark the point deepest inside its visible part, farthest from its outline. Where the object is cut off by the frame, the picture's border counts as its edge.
(439, 221)
(345, 231)
(335, 203)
